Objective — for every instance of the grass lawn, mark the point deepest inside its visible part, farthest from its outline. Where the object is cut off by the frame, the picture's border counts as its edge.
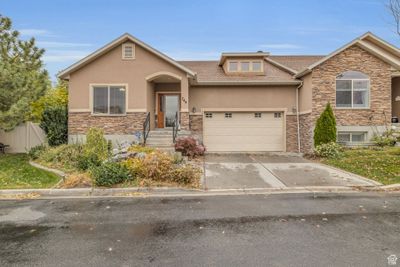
(17, 173)
(380, 165)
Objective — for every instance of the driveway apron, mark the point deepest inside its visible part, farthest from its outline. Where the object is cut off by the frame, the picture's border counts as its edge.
(272, 170)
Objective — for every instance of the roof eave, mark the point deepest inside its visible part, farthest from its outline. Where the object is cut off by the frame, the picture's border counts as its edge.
(64, 73)
(238, 83)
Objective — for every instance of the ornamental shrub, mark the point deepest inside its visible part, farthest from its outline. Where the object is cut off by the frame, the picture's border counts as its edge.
(109, 173)
(55, 124)
(328, 150)
(189, 146)
(96, 145)
(325, 128)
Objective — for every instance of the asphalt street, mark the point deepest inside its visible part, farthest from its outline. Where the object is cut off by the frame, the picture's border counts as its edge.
(258, 230)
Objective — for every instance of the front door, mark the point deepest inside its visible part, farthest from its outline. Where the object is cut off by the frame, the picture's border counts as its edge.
(168, 106)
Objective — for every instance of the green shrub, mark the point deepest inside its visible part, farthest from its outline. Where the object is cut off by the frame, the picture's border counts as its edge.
(384, 140)
(55, 124)
(86, 162)
(96, 145)
(36, 151)
(328, 150)
(325, 128)
(109, 173)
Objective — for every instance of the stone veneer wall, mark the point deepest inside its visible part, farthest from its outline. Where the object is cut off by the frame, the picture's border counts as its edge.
(356, 59)
(184, 121)
(323, 79)
(306, 133)
(196, 123)
(291, 133)
(79, 123)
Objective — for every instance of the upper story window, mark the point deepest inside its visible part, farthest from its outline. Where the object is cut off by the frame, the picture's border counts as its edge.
(233, 66)
(245, 66)
(109, 99)
(256, 65)
(352, 90)
(128, 51)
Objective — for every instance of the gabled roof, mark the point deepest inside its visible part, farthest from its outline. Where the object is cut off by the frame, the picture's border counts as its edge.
(211, 73)
(369, 42)
(295, 62)
(123, 38)
(224, 56)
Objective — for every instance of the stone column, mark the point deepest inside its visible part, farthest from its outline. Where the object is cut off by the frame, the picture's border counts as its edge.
(184, 104)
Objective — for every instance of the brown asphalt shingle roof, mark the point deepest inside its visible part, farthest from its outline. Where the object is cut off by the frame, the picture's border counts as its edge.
(211, 71)
(297, 63)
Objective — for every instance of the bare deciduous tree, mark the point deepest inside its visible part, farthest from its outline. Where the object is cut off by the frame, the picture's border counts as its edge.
(394, 7)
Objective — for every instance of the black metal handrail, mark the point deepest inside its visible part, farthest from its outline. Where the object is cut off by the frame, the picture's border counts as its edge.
(175, 127)
(146, 128)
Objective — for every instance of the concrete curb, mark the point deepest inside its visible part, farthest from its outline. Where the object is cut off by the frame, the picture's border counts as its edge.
(181, 192)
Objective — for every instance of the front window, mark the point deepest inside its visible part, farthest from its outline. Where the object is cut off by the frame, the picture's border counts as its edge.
(352, 90)
(109, 100)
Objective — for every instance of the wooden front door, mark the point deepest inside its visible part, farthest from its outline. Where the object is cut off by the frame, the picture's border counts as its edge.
(168, 105)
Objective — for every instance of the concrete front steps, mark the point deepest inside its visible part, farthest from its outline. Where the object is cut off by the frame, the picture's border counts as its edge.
(162, 139)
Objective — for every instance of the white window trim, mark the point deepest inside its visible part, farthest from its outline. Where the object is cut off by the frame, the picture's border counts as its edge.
(91, 98)
(239, 68)
(133, 51)
(352, 90)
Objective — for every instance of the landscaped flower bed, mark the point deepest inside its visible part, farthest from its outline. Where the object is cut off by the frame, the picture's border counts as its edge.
(95, 163)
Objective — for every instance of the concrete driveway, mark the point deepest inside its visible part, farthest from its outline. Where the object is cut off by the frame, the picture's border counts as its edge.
(273, 170)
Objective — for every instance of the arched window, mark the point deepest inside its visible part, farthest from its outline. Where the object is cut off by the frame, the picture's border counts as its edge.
(352, 90)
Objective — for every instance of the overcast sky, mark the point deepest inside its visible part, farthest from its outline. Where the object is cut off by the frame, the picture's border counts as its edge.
(184, 29)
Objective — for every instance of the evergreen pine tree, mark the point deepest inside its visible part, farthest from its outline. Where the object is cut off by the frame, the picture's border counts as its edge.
(325, 129)
(23, 79)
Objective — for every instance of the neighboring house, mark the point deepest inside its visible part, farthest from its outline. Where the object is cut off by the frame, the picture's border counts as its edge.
(243, 102)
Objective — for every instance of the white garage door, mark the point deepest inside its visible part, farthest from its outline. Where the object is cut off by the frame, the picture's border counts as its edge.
(243, 131)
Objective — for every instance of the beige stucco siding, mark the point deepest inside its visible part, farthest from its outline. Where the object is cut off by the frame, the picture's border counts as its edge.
(242, 97)
(305, 94)
(110, 68)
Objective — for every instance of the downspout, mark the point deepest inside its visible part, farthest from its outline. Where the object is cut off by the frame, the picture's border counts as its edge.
(298, 117)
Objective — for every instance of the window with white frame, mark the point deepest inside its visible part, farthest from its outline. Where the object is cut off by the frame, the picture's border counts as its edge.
(109, 99)
(208, 115)
(351, 137)
(128, 51)
(352, 90)
(228, 115)
(257, 115)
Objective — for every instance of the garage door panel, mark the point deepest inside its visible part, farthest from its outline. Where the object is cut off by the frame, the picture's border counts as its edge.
(244, 132)
(241, 131)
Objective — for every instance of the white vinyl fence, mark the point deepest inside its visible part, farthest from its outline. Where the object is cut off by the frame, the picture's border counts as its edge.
(23, 137)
